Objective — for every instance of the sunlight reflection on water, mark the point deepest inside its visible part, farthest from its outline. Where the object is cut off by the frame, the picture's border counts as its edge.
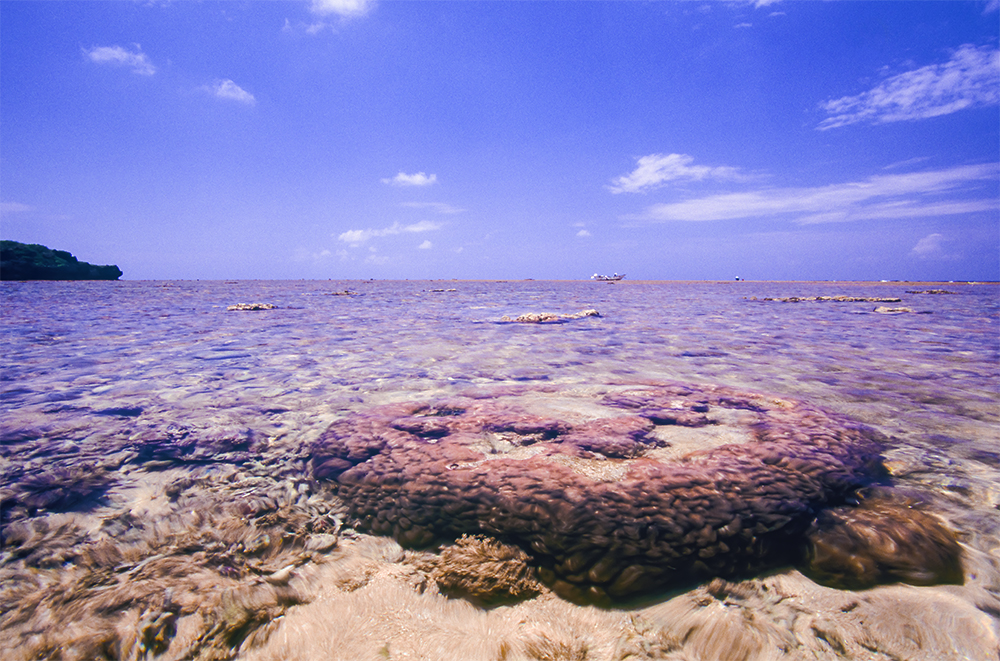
(172, 349)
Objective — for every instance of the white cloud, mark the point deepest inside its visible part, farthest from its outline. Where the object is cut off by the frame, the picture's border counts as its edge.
(970, 79)
(340, 7)
(118, 56)
(426, 245)
(906, 195)
(322, 9)
(929, 246)
(357, 237)
(657, 169)
(439, 207)
(227, 89)
(418, 179)
(583, 233)
(743, 25)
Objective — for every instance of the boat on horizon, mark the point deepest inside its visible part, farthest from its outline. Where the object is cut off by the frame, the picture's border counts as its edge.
(607, 278)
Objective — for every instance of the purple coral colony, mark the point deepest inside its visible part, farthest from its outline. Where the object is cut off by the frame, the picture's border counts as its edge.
(608, 513)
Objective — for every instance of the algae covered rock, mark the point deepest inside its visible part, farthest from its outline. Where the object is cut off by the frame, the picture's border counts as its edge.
(883, 540)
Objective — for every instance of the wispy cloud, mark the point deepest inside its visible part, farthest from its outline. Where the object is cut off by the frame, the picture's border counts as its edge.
(583, 233)
(374, 258)
(426, 245)
(929, 246)
(230, 91)
(970, 79)
(906, 195)
(906, 163)
(357, 237)
(135, 60)
(14, 207)
(418, 179)
(656, 170)
(437, 207)
(422, 226)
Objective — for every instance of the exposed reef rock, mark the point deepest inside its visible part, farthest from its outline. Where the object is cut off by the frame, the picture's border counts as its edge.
(251, 307)
(609, 507)
(831, 299)
(23, 261)
(549, 317)
(885, 309)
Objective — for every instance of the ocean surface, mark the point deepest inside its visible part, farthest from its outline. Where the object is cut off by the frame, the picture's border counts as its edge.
(93, 370)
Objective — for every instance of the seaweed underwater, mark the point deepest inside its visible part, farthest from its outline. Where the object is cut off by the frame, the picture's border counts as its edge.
(199, 578)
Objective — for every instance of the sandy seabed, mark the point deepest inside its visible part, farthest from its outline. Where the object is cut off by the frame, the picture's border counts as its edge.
(160, 497)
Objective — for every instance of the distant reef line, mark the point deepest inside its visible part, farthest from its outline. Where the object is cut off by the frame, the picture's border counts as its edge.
(30, 261)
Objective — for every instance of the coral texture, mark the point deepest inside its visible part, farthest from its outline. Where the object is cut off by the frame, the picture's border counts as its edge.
(602, 505)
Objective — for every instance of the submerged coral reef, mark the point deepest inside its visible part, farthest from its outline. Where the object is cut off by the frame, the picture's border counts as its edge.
(604, 504)
(191, 543)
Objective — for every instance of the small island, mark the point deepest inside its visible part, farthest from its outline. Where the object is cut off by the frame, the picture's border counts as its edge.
(30, 261)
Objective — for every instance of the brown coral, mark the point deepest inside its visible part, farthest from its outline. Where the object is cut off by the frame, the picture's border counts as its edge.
(884, 540)
(484, 571)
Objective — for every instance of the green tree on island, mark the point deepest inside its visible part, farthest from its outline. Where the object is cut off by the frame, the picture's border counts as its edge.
(30, 261)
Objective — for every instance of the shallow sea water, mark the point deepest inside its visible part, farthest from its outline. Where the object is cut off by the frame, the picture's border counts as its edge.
(91, 370)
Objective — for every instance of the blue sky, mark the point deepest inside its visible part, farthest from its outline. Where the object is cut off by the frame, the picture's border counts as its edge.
(353, 139)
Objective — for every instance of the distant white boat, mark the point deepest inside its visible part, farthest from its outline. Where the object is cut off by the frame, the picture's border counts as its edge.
(607, 278)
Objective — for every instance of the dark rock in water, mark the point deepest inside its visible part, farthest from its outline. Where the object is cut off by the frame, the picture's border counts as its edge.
(122, 412)
(603, 516)
(57, 487)
(881, 541)
(22, 261)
